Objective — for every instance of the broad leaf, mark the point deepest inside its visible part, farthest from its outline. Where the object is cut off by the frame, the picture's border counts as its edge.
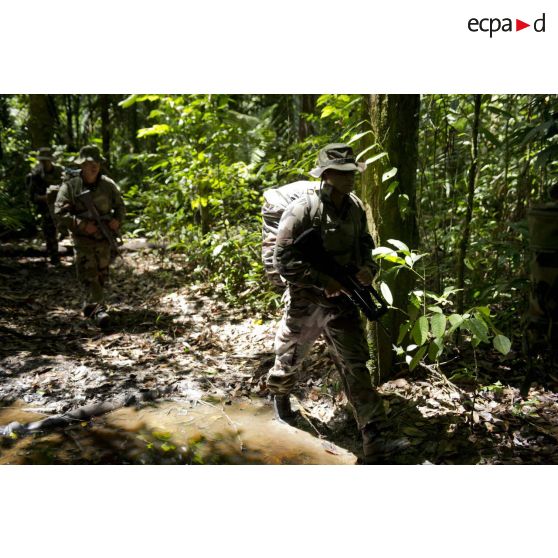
(389, 174)
(435, 349)
(478, 328)
(438, 325)
(418, 357)
(400, 245)
(420, 330)
(502, 344)
(375, 158)
(403, 329)
(386, 292)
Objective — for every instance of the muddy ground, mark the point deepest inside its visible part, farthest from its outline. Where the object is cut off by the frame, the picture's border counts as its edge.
(169, 332)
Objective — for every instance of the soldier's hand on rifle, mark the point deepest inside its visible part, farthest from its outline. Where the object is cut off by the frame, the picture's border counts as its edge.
(114, 225)
(365, 276)
(333, 288)
(88, 227)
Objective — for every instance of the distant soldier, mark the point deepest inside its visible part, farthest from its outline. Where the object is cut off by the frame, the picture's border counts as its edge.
(42, 180)
(540, 331)
(93, 249)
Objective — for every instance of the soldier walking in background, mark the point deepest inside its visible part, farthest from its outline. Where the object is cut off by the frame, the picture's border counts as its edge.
(44, 177)
(92, 247)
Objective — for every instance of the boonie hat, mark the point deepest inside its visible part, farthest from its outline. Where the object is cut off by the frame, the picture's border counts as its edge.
(45, 154)
(337, 156)
(89, 153)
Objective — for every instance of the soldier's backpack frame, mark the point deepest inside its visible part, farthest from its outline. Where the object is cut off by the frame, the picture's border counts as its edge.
(276, 201)
(540, 322)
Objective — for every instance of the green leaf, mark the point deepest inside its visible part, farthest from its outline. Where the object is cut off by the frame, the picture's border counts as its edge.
(128, 101)
(403, 203)
(468, 264)
(502, 344)
(418, 357)
(420, 330)
(478, 328)
(415, 299)
(375, 158)
(157, 130)
(436, 309)
(403, 329)
(400, 245)
(382, 251)
(484, 310)
(438, 325)
(390, 189)
(356, 137)
(455, 319)
(435, 349)
(394, 259)
(386, 292)
(217, 250)
(389, 174)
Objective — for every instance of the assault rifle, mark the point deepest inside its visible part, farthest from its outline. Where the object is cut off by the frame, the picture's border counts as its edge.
(93, 214)
(370, 302)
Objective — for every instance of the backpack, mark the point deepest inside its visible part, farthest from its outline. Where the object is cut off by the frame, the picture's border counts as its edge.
(276, 201)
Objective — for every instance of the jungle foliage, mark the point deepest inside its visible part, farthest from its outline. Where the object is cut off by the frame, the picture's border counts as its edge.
(193, 168)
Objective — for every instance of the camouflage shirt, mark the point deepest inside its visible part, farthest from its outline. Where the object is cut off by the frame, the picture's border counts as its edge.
(106, 197)
(344, 233)
(40, 180)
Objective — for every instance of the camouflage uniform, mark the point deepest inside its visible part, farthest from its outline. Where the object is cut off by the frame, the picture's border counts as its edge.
(39, 182)
(540, 334)
(93, 255)
(308, 313)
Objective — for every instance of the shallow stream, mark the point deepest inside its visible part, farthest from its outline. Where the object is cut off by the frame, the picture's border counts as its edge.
(170, 432)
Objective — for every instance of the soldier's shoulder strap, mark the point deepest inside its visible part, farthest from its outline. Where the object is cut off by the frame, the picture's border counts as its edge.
(110, 181)
(314, 207)
(357, 201)
(74, 185)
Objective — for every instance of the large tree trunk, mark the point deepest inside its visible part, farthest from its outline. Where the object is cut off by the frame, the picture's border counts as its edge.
(41, 120)
(105, 127)
(307, 106)
(134, 127)
(394, 120)
(463, 245)
(70, 139)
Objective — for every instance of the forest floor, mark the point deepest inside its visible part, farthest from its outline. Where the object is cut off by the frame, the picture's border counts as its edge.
(170, 333)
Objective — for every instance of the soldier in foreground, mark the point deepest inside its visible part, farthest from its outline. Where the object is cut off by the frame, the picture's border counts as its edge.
(46, 175)
(91, 229)
(315, 301)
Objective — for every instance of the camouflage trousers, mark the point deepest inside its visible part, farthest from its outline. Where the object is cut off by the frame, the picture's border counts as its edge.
(92, 266)
(49, 232)
(302, 323)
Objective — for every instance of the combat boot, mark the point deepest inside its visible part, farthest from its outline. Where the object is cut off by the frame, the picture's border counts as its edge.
(378, 447)
(89, 309)
(282, 409)
(101, 317)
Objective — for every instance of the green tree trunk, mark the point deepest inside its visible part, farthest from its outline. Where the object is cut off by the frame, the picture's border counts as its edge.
(394, 120)
(307, 106)
(105, 126)
(41, 120)
(472, 177)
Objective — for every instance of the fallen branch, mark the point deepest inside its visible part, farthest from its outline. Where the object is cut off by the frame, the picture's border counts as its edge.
(81, 413)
